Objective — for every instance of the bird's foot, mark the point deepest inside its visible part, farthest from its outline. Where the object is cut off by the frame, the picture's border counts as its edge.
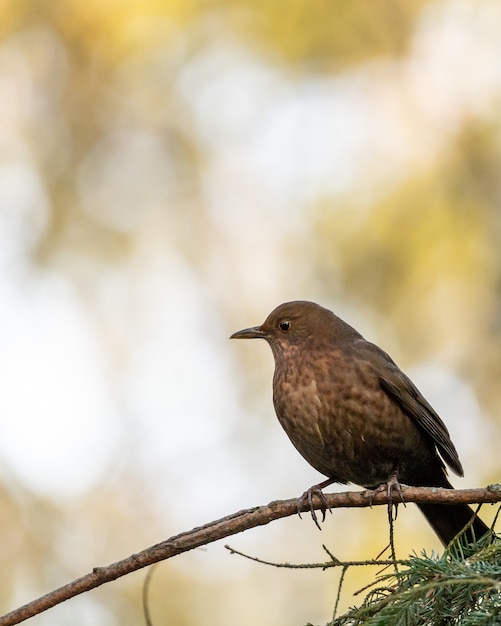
(391, 486)
(307, 498)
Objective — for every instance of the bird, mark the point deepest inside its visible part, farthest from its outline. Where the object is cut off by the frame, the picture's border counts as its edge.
(355, 416)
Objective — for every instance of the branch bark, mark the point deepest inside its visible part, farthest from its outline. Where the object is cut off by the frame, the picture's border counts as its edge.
(231, 525)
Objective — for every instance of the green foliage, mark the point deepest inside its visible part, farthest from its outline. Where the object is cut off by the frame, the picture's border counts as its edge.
(458, 587)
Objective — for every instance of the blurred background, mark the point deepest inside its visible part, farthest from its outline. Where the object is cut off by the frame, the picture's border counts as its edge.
(170, 171)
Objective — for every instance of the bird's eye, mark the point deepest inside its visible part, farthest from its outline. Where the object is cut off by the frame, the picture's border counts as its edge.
(285, 325)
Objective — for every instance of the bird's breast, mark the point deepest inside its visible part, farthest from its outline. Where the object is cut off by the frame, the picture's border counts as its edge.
(301, 411)
(343, 423)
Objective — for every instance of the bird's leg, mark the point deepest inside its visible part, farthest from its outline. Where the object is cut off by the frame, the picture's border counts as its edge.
(308, 497)
(391, 486)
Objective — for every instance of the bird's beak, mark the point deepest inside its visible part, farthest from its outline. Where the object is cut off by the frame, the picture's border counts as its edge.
(256, 332)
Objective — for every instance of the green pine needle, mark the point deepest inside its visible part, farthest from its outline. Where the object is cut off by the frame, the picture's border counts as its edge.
(461, 587)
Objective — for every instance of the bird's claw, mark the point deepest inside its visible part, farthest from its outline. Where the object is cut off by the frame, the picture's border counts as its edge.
(391, 486)
(307, 498)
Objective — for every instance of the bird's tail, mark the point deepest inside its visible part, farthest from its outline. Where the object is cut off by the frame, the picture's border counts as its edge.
(449, 520)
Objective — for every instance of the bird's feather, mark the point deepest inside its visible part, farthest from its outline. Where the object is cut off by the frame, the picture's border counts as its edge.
(412, 402)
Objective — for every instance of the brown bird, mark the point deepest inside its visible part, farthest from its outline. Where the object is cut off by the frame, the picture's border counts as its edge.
(354, 415)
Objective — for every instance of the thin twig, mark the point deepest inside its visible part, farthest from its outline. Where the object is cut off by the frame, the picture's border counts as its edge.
(327, 564)
(392, 538)
(339, 589)
(146, 589)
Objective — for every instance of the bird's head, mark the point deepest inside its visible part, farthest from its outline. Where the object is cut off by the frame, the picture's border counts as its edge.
(298, 323)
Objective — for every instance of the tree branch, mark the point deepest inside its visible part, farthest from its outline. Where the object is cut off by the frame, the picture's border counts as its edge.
(231, 525)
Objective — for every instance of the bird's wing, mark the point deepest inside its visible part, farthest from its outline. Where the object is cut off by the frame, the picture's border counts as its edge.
(401, 389)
